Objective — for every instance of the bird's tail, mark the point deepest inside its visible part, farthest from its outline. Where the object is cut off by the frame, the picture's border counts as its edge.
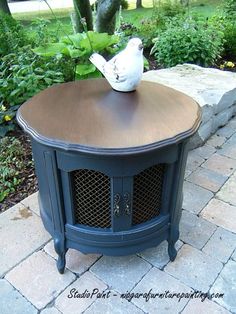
(98, 61)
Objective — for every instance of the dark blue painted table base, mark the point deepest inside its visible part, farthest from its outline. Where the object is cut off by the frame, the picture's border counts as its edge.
(110, 166)
(54, 168)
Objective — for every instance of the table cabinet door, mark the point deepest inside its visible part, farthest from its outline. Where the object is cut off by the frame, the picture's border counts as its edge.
(142, 197)
(93, 199)
(148, 194)
(122, 188)
(101, 198)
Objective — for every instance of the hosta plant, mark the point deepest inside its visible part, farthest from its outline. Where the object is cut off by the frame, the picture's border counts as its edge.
(79, 47)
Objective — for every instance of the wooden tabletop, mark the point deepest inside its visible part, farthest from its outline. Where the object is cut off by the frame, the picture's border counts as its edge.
(89, 116)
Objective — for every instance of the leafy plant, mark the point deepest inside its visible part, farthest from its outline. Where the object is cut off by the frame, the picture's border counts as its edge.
(188, 40)
(150, 27)
(229, 22)
(12, 163)
(12, 34)
(41, 33)
(127, 29)
(229, 7)
(23, 74)
(169, 8)
(124, 4)
(230, 40)
(79, 47)
(147, 30)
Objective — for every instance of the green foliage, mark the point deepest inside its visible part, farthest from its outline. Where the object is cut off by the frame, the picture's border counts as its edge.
(78, 48)
(169, 8)
(12, 163)
(229, 7)
(151, 26)
(124, 4)
(22, 75)
(148, 29)
(127, 29)
(188, 40)
(230, 40)
(229, 22)
(12, 34)
(41, 33)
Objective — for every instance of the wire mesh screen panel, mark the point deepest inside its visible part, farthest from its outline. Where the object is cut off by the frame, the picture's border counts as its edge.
(147, 194)
(91, 191)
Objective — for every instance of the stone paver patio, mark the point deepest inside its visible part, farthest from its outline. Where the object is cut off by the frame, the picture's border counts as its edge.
(206, 260)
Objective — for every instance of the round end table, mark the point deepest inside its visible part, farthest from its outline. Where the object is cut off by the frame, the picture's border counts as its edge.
(110, 165)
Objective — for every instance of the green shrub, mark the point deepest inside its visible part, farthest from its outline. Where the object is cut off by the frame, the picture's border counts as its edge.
(230, 40)
(124, 4)
(229, 7)
(12, 34)
(128, 29)
(191, 41)
(229, 22)
(22, 75)
(149, 27)
(78, 48)
(147, 30)
(169, 8)
(41, 33)
(12, 163)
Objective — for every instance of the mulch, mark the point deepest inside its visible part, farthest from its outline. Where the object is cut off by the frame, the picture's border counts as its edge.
(29, 183)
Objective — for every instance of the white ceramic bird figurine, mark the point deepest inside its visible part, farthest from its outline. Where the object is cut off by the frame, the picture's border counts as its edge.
(124, 71)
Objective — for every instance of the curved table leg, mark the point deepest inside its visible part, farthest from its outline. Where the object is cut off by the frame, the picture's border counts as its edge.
(61, 251)
(172, 250)
(61, 262)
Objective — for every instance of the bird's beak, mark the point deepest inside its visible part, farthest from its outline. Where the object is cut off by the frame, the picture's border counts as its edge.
(140, 47)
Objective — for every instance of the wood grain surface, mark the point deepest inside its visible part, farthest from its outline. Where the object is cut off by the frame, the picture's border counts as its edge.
(88, 115)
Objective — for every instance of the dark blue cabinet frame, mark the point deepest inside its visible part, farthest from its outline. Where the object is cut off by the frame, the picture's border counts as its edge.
(54, 167)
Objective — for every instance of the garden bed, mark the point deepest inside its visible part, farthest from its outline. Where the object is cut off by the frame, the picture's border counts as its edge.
(22, 166)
